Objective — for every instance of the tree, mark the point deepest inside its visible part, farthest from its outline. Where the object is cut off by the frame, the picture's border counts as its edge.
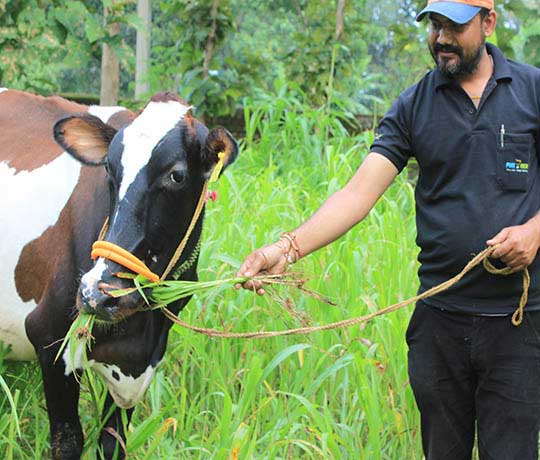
(110, 67)
(142, 84)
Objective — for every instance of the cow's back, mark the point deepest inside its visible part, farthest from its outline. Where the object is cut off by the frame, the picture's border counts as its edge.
(39, 184)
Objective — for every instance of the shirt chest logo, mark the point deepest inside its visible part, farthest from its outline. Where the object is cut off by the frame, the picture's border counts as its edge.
(517, 166)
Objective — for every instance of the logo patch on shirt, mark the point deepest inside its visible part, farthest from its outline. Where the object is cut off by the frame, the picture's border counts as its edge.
(517, 166)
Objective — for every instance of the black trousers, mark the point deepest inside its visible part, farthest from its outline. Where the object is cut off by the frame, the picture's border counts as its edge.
(475, 372)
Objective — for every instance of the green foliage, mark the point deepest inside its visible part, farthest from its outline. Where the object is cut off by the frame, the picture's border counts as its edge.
(180, 34)
(313, 57)
(526, 43)
(51, 46)
(24, 42)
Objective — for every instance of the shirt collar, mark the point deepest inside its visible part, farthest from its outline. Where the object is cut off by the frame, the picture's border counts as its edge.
(501, 69)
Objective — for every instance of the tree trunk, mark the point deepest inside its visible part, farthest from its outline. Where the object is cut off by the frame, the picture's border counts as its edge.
(142, 86)
(209, 50)
(340, 24)
(110, 68)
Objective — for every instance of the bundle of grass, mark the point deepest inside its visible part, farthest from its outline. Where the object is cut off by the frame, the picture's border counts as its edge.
(164, 293)
(78, 338)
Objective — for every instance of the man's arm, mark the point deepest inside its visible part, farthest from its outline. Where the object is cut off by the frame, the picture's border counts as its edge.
(336, 216)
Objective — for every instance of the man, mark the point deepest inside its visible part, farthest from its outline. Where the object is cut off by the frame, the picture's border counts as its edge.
(473, 125)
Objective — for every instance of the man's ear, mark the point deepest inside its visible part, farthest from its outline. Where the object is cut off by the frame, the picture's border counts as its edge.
(489, 23)
(219, 140)
(85, 137)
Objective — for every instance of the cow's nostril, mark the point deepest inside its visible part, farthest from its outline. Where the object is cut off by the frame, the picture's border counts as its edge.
(105, 288)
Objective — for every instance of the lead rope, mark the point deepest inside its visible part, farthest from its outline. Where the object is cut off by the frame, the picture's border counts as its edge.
(517, 317)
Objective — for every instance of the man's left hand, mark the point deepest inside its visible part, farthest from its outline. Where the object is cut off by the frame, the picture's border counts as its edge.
(518, 245)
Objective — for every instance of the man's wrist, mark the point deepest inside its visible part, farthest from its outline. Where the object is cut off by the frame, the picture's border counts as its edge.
(289, 245)
(534, 224)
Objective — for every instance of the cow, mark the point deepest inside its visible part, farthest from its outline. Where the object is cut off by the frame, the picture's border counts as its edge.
(64, 169)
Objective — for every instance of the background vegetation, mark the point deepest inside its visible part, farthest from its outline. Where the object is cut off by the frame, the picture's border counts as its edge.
(299, 86)
(373, 49)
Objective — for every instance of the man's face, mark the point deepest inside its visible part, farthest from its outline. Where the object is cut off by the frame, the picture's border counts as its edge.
(456, 48)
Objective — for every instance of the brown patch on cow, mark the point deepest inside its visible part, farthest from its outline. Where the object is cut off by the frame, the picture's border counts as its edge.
(49, 262)
(189, 123)
(121, 119)
(85, 136)
(26, 135)
(167, 96)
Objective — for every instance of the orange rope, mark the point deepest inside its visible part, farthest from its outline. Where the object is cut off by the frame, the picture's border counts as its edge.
(115, 253)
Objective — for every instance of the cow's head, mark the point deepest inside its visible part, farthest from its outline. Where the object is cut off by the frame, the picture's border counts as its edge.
(156, 168)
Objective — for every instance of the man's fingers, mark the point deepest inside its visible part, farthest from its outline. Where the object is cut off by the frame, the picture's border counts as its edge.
(503, 251)
(268, 259)
(498, 238)
(253, 264)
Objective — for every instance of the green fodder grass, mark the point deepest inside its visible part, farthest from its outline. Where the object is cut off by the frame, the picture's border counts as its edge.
(331, 395)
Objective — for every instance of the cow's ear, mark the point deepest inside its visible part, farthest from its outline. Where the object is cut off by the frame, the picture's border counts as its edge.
(219, 140)
(85, 137)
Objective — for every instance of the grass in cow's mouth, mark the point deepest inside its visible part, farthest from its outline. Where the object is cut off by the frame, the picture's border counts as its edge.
(164, 293)
(78, 339)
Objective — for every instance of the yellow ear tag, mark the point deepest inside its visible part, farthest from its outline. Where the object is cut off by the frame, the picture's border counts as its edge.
(217, 168)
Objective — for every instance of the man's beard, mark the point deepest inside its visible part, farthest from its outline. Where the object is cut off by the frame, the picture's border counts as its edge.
(465, 65)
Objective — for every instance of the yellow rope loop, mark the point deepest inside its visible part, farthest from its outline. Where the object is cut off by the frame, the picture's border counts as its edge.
(517, 317)
(494, 270)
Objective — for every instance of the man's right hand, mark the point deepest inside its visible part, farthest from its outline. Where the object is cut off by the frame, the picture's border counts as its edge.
(268, 259)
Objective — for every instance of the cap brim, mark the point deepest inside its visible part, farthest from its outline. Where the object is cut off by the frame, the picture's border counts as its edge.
(456, 12)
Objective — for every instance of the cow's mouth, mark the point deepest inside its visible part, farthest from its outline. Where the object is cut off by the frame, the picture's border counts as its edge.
(110, 309)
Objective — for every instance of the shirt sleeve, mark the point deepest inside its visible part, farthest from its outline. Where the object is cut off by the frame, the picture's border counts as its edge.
(392, 136)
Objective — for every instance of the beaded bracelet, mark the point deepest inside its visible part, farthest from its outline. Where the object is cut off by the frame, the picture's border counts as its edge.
(291, 239)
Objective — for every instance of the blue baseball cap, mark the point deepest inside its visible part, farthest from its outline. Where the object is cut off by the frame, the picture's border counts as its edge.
(458, 11)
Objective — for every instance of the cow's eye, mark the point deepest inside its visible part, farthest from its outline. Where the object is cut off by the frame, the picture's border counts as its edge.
(177, 176)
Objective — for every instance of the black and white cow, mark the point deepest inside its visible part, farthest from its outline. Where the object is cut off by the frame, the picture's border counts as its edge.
(146, 174)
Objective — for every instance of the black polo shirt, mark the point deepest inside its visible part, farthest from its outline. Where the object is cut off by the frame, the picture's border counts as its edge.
(478, 173)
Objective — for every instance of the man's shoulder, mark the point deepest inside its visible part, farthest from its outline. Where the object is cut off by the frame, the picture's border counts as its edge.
(521, 69)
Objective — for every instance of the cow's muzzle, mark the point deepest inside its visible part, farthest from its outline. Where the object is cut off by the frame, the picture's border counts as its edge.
(97, 300)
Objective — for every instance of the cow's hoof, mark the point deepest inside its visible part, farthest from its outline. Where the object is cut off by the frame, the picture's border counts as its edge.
(67, 442)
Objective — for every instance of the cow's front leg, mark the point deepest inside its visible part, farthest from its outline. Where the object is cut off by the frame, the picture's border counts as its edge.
(61, 390)
(109, 446)
(62, 397)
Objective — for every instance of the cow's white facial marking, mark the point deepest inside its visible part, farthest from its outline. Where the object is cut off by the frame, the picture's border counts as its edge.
(104, 113)
(30, 202)
(140, 138)
(91, 278)
(3, 89)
